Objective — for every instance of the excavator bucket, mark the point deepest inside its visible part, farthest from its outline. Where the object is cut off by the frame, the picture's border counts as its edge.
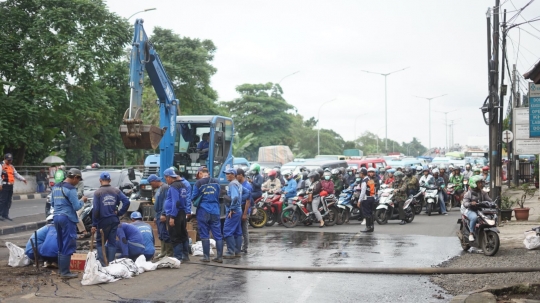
(138, 136)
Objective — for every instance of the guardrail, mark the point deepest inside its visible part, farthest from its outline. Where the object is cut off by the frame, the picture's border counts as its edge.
(32, 170)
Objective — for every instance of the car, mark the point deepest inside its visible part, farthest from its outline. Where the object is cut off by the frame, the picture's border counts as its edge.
(324, 163)
(367, 163)
(119, 179)
(295, 165)
(242, 163)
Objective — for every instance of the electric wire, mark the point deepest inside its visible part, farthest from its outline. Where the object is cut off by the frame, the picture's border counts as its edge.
(524, 17)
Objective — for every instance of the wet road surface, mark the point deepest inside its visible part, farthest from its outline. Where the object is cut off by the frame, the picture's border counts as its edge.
(424, 243)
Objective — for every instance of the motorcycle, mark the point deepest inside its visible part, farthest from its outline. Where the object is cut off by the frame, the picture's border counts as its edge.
(387, 210)
(86, 215)
(417, 201)
(272, 206)
(258, 216)
(347, 208)
(486, 232)
(454, 200)
(298, 211)
(431, 196)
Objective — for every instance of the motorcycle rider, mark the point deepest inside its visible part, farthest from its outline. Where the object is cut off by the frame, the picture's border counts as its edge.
(477, 171)
(412, 181)
(314, 190)
(367, 198)
(338, 183)
(279, 176)
(326, 182)
(302, 184)
(290, 187)
(342, 176)
(426, 179)
(485, 173)
(382, 174)
(474, 195)
(457, 179)
(272, 185)
(419, 170)
(390, 178)
(351, 178)
(468, 172)
(372, 174)
(256, 181)
(439, 182)
(400, 195)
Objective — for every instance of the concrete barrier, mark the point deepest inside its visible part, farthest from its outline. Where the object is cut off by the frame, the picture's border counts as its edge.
(21, 188)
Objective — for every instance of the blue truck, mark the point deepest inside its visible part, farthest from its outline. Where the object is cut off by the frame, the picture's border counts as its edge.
(178, 137)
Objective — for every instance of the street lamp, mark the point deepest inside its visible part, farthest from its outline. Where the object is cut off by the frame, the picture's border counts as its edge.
(355, 119)
(146, 10)
(429, 102)
(319, 128)
(385, 104)
(446, 124)
(288, 76)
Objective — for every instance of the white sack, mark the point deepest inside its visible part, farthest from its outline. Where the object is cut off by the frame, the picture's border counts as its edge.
(197, 248)
(168, 262)
(94, 273)
(532, 240)
(17, 257)
(123, 268)
(144, 265)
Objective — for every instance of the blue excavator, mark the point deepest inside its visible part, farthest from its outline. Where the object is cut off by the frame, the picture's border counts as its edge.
(185, 142)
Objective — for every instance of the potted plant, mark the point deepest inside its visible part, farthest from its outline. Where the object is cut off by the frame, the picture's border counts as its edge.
(506, 208)
(522, 212)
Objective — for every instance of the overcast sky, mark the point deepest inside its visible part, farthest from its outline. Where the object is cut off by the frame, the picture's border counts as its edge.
(331, 42)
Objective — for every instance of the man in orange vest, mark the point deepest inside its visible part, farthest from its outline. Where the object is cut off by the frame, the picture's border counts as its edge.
(9, 174)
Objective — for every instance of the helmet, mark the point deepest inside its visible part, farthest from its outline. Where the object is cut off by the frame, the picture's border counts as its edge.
(327, 173)
(442, 167)
(399, 168)
(485, 168)
(277, 169)
(342, 170)
(335, 171)
(398, 175)
(391, 171)
(349, 168)
(363, 171)
(435, 171)
(74, 172)
(95, 165)
(136, 215)
(303, 168)
(474, 180)
(255, 167)
(272, 173)
(468, 165)
(456, 168)
(371, 169)
(304, 175)
(314, 175)
(408, 171)
(425, 169)
(477, 170)
(320, 171)
(287, 172)
(430, 166)
(327, 169)
(419, 168)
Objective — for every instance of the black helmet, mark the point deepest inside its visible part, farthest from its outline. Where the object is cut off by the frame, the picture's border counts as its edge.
(363, 171)
(314, 175)
(320, 171)
(408, 171)
(304, 175)
(303, 169)
(343, 170)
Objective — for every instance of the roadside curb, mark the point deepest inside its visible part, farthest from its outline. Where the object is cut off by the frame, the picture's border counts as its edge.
(30, 196)
(22, 227)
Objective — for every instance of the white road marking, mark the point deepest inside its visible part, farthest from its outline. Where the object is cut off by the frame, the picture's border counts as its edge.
(308, 290)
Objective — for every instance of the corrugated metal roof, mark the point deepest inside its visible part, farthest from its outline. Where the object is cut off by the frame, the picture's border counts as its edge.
(534, 74)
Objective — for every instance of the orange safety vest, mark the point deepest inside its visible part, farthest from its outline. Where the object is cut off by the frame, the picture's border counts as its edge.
(9, 170)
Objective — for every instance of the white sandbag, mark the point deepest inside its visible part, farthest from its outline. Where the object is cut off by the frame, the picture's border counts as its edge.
(168, 262)
(94, 273)
(122, 268)
(212, 244)
(17, 257)
(197, 249)
(532, 240)
(144, 265)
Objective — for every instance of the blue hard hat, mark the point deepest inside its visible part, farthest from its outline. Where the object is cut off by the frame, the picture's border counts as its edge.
(136, 215)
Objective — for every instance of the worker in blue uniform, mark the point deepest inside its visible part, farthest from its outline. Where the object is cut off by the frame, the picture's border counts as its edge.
(105, 215)
(232, 230)
(147, 234)
(65, 204)
(41, 235)
(49, 250)
(130, 242)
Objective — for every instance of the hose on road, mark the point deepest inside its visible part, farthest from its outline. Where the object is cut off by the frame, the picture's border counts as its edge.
(375, 270)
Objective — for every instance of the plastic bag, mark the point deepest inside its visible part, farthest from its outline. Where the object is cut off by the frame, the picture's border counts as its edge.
(94, 273)
(532, 240)
(144, 265)
(17, 257)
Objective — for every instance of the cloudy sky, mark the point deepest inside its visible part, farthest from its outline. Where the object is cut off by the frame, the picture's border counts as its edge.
(330, 42)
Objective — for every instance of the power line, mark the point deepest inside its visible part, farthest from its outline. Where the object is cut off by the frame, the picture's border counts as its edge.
(520, 11)
(524, 17)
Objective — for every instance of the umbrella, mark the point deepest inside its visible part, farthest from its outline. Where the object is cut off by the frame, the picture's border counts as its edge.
(52, 160)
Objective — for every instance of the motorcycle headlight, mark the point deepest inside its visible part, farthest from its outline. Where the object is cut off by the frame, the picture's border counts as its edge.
(490, 222)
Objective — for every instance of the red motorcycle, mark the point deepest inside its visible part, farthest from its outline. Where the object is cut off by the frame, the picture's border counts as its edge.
(454, 199)
(272, 205)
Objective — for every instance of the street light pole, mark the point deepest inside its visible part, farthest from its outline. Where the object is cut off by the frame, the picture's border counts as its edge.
(288, 76)
(385, 103)
(429, 105)
(446, 124)
(146, 10)
(319, 128)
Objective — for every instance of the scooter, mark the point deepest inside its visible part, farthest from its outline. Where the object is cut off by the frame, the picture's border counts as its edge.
(431, 196)
(299, 213)
(486, 233)
(258, 216)
(347, 208)
(454, 200)
(388, 210)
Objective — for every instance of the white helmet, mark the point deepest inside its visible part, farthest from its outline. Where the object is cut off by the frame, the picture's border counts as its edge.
(286, 172)
(435, 171)
(419, 168)
(371, 169)
(335, 171)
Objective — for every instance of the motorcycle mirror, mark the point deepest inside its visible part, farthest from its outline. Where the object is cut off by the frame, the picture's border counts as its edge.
(131, 174)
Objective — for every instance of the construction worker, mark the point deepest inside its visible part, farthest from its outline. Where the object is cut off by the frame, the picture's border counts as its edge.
(147, 234)
(161, 189)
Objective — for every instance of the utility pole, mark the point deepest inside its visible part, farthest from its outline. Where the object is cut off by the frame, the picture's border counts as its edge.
(429, 106)
(495, 165)
(446, 123)
(515, 104)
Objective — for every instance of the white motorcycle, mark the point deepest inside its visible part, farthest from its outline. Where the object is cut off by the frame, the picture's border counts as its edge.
(431, 196)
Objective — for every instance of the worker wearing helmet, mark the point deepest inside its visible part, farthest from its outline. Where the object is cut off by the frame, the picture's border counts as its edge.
(256, 181)
(367, 198)
(272, 185)
(485, 173)
(314, 192)
(326, 183)
(302, 184)
(338, 183)
(372, 174)
(457, 179)
(473, 196)
(419, 170)
(290, 187)
(400, 195)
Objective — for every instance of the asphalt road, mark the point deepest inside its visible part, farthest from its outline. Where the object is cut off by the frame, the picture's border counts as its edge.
(424, 243)
(21, 208)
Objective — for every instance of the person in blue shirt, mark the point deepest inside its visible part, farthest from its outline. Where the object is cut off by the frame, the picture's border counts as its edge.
(246, 204)
(159, 199)
(232, 229)
(49, 250)
(65, 204)
(290, 187)
(147, 234)
(203, 147)
(130, 242)
(208, 214)
(105, 215)
(256, 181)
(176, 207)
(41, 235)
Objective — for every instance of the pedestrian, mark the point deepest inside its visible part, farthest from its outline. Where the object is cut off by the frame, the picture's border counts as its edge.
(130, 242)
(367, 198)
(232, 230)
(176, 209)
(105, 216)
(147, 234)
(246, 204)
(42, 179)
(9, 174)
(208, 214)
(65, 204)
(161, 189)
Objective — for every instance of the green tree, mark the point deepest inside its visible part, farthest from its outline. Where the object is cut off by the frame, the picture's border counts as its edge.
(261, 110)
(54, 53)
(241, 143)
